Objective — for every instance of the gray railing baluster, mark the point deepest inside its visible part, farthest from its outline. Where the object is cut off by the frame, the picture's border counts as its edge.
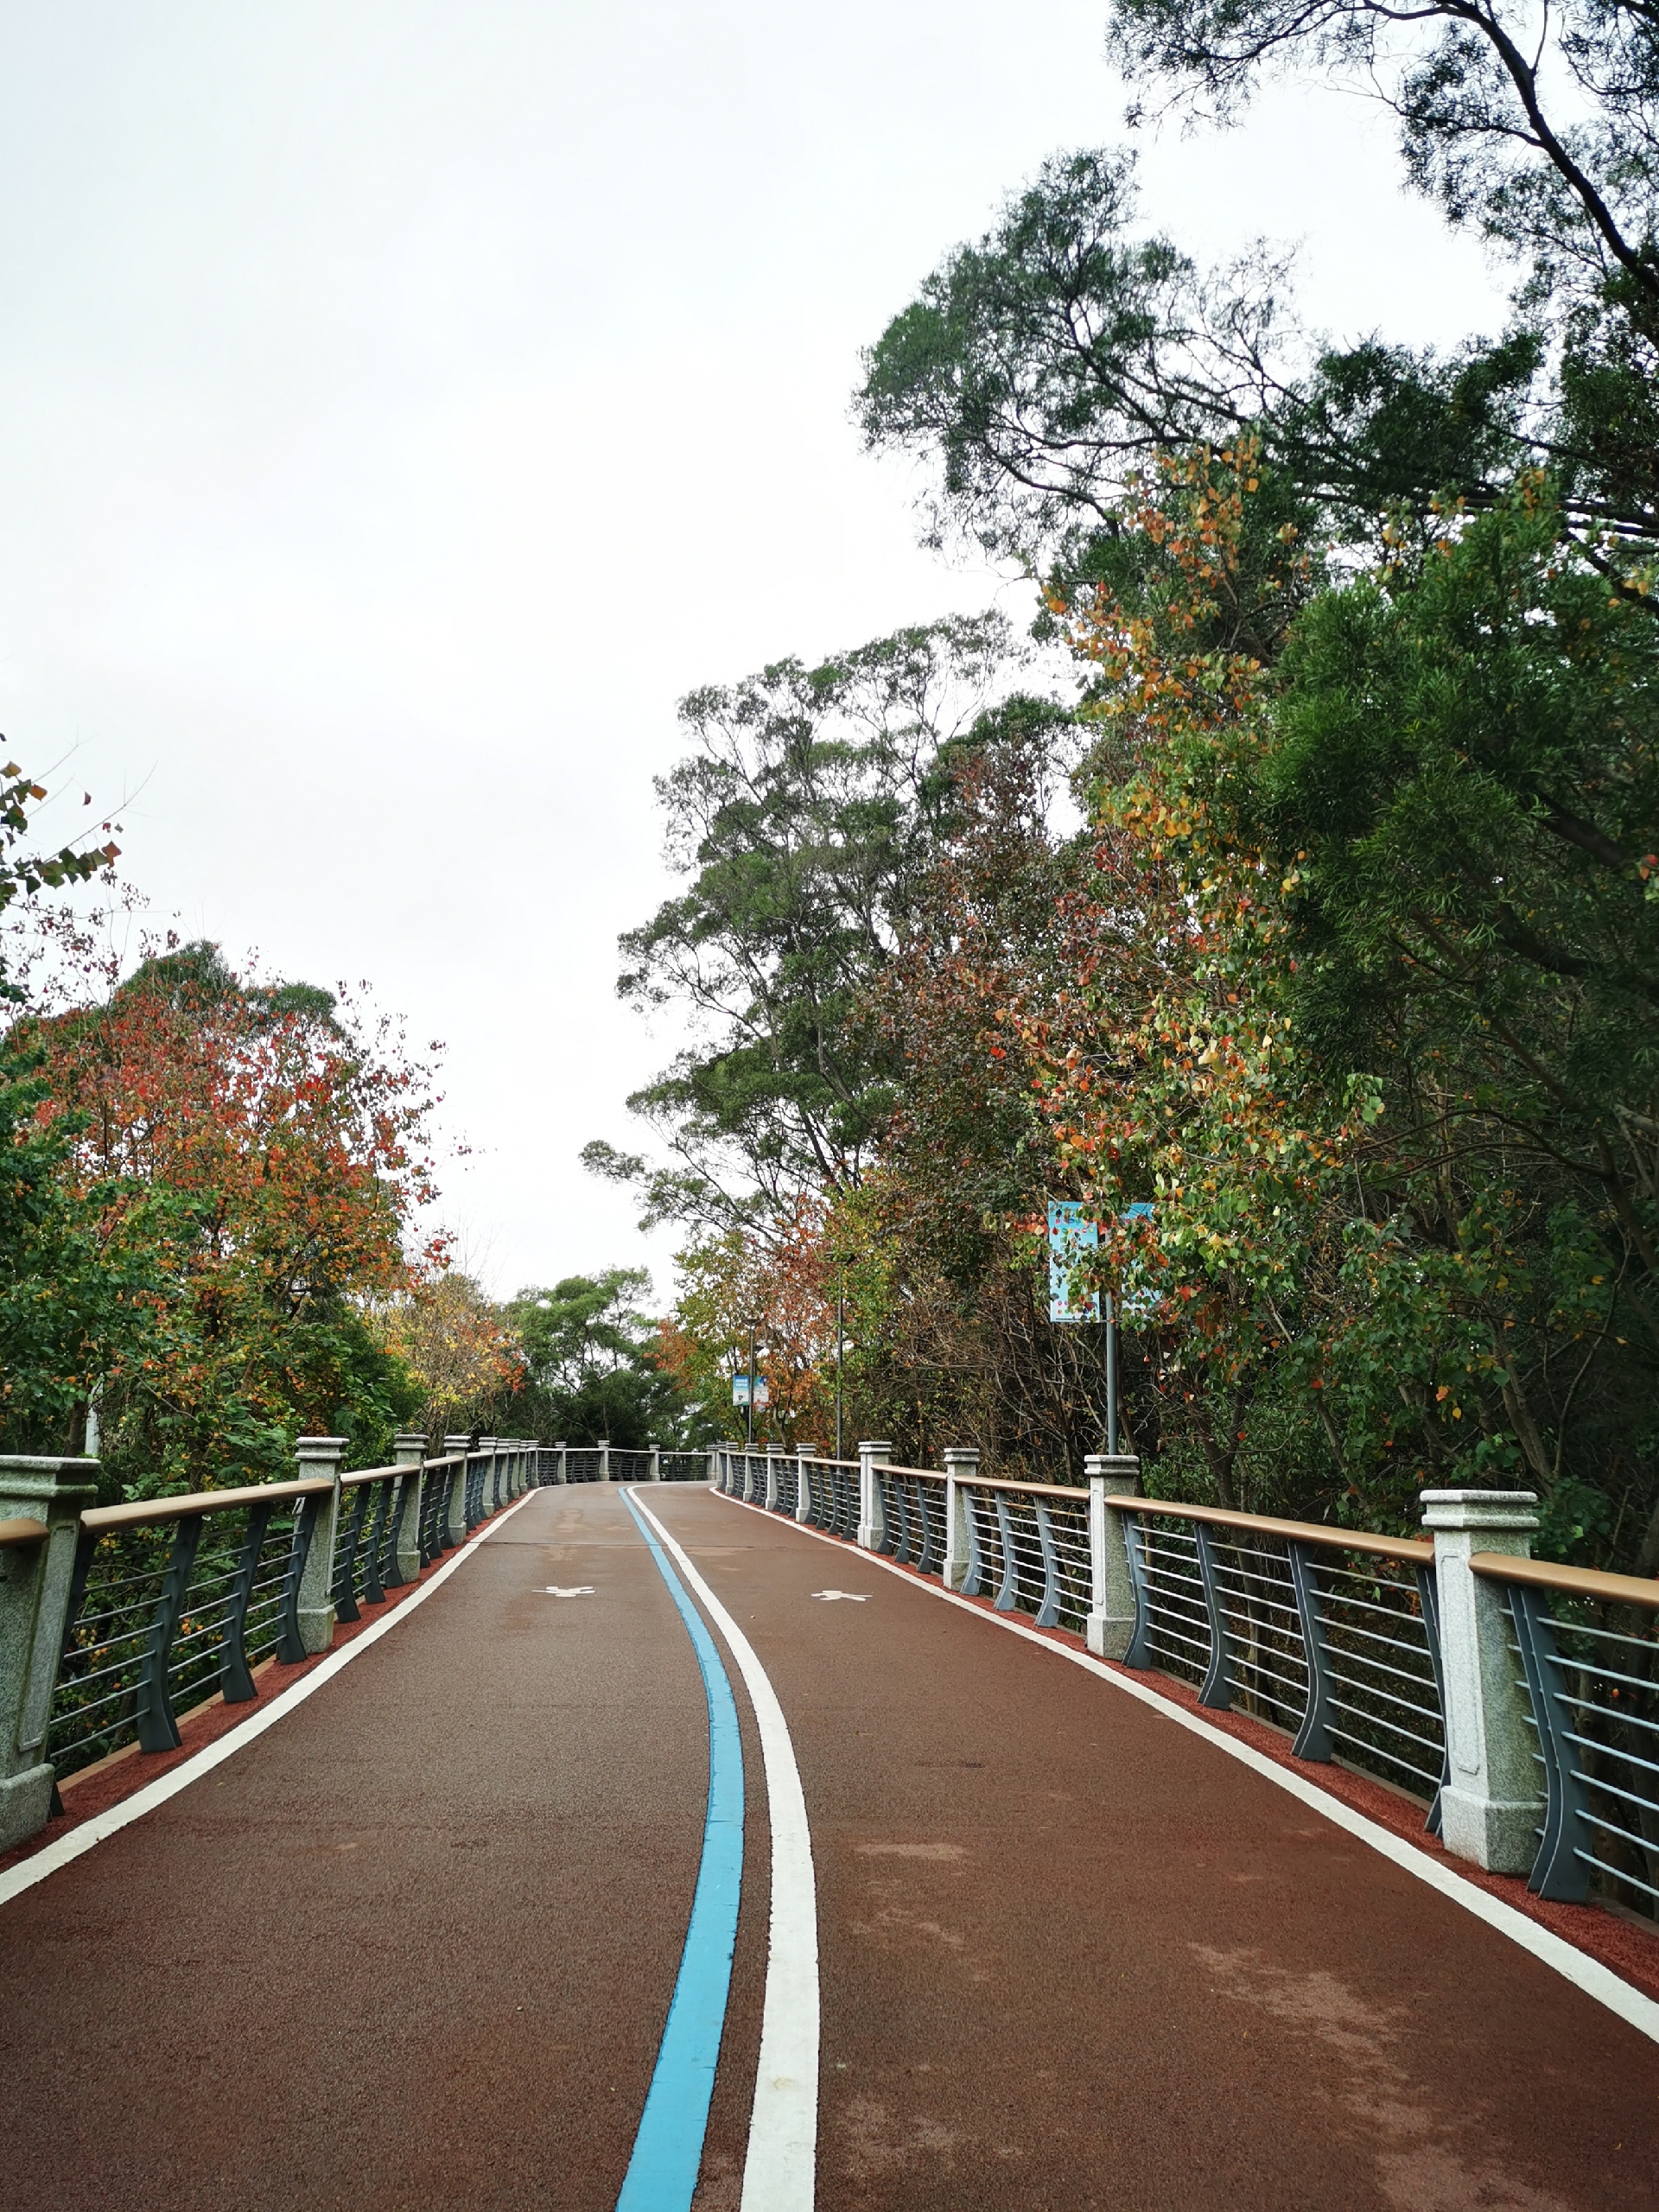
(343, 1592)
(1428, 1597)
(896, 1504)
(930, 1500)
(157, 1730)
(972, 1582)
(374, 1590)
(1557, 1872)
(1048, 1613)
(1138, 1653)
(1217, 1690)
(235, 1680)
(1008, 1595)
(1313, 1736)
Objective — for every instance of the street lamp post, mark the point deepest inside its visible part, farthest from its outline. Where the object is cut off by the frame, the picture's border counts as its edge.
(841, 1298)
(749, 1409)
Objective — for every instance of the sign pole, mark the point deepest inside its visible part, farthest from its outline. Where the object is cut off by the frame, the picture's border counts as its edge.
(749, 1409)
(841, 1292)
(1111, 1376)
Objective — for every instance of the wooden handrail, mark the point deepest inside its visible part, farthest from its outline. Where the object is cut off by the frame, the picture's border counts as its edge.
(1419, 1550)
(373, 1474)
(1571, 1581)
(147, 1510)
(21, 1532)
(1073, 1490)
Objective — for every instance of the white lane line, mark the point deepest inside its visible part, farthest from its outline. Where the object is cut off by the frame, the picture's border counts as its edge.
(1631, 2005)
(102, 1825)
(780, 2173)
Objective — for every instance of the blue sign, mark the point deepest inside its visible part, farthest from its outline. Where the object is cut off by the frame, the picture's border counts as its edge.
(1070, 1236)
(740, 1390)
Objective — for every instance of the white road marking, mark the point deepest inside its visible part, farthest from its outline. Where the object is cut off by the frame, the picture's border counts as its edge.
(581, 1590)
(853, 1597)
(780, 2173)
(28, 1871)
(1580, 1968)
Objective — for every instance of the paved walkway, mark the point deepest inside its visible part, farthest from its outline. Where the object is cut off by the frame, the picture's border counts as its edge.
(416, 1944)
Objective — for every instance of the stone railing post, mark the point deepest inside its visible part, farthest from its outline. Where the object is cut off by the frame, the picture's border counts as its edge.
(961, 1465)
(774, 1472)
(1110, 1628)
(455, 1517)
(36, 1579)
(1491, 1807)
(872, 1514)
(604, 1459)
(319, 1456)
(489, 1487)
(804, 1454)
(656, 1474)
(559, 1472)
(408, 1450)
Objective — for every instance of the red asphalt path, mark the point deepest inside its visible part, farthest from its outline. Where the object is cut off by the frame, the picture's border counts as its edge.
(415, 1944)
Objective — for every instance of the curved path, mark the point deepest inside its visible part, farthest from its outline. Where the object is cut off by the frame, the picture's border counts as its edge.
(416, 1944)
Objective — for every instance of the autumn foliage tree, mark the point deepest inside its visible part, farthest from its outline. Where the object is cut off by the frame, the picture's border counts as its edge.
(254, 1162)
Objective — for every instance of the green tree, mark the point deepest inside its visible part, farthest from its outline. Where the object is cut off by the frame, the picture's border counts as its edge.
(804, 822)
(66, 1306)
(591, 1364)
(1538, 131)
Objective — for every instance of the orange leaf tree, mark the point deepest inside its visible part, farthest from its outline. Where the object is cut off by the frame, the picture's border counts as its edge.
(258, 1160)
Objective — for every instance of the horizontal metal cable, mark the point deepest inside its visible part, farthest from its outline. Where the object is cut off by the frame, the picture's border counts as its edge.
(1382, 1720)
(1392, 1758)
(1617, 1872)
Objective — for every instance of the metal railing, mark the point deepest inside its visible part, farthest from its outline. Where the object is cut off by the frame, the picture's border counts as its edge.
(618, 1463)
(176, 1599)
(1028, 1549)
(1587, 1653)
(1327, 1634)
(171, 1600)
(1331, 1636)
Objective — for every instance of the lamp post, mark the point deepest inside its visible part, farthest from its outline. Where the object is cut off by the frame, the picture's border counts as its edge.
(841, 1298)
(748, 1410)
(1111, 1375)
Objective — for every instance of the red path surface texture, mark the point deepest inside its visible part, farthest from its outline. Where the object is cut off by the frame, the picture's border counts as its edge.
(415, 1944)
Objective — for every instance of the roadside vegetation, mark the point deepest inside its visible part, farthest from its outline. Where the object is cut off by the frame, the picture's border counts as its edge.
(1295, 882)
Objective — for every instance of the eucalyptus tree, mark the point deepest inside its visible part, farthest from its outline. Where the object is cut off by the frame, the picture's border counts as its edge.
(803, 821)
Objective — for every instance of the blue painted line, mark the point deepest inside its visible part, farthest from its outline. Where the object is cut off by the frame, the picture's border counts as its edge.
(668, 2149)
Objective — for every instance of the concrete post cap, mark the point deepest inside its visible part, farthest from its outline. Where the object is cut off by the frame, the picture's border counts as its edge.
(1480, 1509)
(457, 1443)
(1111, 1463)
(325, 1450)
(411, 1437)
(877, 1444)
(23, 1463)
(962, 1455)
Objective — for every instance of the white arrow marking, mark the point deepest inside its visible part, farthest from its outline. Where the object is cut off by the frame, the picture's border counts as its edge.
(586, 1590)
(853, 1597)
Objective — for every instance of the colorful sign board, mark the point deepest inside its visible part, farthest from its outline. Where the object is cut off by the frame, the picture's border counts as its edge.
(740, 1390)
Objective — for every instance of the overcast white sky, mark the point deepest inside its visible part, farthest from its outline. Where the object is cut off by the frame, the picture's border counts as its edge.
(402, 405)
